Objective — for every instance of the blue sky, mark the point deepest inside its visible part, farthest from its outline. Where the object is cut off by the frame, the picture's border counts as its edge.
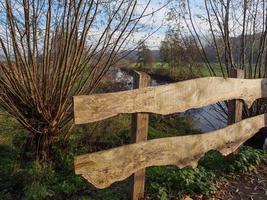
(159, 19)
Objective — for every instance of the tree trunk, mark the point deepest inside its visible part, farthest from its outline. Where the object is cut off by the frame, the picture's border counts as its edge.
(43, 147)
(40, 145)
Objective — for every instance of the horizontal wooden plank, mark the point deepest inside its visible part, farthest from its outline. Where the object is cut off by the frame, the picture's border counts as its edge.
(106, 167)
(167, 99)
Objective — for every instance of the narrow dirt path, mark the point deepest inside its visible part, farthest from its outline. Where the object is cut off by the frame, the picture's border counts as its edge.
(248, 186)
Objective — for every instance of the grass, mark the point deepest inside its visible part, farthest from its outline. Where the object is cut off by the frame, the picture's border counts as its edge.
(181, 72)
(9, 128)
(163, 71)
(215, 66)
(26, 179)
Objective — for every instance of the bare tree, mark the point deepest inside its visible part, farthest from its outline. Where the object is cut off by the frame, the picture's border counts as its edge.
(180, 52)
(236, 30)
(52, 50)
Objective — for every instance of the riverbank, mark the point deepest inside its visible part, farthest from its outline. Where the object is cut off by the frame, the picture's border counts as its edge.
(23, 178)
(162, 72)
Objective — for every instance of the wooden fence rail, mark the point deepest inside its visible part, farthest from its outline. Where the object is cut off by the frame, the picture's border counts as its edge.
(168, 99)
(106, 167)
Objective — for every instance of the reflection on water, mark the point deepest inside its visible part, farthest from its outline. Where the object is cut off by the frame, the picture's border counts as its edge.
(207, 118)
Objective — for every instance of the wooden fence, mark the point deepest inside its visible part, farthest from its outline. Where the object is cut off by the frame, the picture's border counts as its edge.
(106, 167)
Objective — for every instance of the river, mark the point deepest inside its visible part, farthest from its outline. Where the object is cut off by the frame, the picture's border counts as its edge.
(206, 119)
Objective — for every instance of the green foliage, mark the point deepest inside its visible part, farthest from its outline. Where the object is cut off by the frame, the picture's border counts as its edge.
(176, 182)
(154, 133)
(214, 161)
(171, 125)
(244, 161)
(144, 56)
(247, 159)
(118, 191)
(119, 139)
(22, 178)
(34, 181)
(163, 71)
(9, 128)
(37, 191)
(166, 182)
(159, 191)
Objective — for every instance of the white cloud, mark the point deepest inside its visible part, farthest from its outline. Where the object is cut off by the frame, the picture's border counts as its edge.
(156, 21)
(153, 41)
(159, 12)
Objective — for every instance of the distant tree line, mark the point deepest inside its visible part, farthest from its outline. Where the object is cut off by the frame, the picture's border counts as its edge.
(179, 51)
(144, 56)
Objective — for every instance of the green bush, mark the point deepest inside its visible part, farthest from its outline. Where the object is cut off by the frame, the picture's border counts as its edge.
(171, 181)
(244, 161)
(22, 178)
(247, 159)
(56, 180)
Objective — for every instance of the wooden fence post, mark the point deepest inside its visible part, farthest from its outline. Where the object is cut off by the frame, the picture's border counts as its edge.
(139, 134)
(235, 107)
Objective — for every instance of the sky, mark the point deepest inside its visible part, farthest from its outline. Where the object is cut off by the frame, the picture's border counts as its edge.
(155, 21)
(159, 19)
(199, 16)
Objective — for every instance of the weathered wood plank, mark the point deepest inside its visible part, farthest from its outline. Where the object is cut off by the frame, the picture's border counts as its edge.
(235, 107)
(106, 167)
(168, 99)
(139, 134)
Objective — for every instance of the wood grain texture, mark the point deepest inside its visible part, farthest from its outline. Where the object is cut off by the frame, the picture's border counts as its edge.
(167, 99)
(235, 107)
(139, 132)
(106, 167)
